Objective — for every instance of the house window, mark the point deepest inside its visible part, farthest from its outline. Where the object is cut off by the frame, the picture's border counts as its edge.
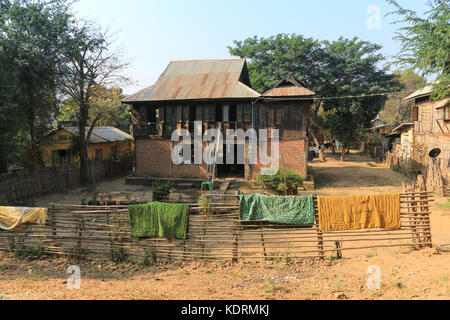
(186, 113)
(447, 113)
(270, 117)
(240, 113)
(226, 113)
(151, 115)
(179, 115)
(247, 113)
(278, 116)
(63, 138)
(199, 113)
(168, 123)
(98, 155)
(143, 114)
(114, 153)
(415, 114)
(219, 112)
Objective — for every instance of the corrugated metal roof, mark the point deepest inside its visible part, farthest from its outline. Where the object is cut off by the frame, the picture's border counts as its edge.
(199, 79)
(403, 126)
(442, 103)
(288, 91)
(425, 91)
(289, 86)
(103, 134)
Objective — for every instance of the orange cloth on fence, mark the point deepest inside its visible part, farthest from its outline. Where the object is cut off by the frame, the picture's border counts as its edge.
(377, 211)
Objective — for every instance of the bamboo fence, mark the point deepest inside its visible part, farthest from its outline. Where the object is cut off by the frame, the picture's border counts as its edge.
(84, 231)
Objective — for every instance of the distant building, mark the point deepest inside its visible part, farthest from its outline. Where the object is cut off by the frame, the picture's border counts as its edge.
(217, 93)
(105, 143)
(405, 140)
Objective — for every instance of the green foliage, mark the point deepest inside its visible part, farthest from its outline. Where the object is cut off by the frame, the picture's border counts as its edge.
(205, 205)
(341, 68)
(159, 186)
(276, 182)
(425, 43)
(31, 37)
(396, 110)
(105, 101)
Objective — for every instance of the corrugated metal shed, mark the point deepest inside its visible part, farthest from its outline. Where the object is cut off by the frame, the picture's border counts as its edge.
(288, 87)
(103, 134)
(198, 80)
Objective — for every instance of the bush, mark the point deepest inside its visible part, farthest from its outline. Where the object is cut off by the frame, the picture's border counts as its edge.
(161, 190)
(276, 182)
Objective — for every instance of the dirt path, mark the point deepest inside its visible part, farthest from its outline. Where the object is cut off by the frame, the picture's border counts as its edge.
(359, 174)
(334, 177)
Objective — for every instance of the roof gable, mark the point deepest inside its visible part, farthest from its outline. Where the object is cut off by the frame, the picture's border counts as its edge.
(288, 86)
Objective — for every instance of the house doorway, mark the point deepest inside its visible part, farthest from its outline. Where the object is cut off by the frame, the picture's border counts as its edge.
(234, 170)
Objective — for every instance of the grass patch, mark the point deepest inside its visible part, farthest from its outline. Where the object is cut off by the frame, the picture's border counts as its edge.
(443, 205)
(268, 288)
(338, 286)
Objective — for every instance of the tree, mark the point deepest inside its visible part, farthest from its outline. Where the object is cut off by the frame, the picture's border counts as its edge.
(336, 71)
(425, 43)
(105, 101)
(396, 110)
(90, 66)
(31, 34)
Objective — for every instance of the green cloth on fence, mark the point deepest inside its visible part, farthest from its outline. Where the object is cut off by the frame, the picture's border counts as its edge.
(158, 219)
(277, 209)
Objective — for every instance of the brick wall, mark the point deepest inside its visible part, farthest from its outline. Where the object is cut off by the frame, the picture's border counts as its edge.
(294, 155)
(153, 157)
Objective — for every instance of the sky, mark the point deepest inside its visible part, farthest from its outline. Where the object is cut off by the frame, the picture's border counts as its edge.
(151, 33)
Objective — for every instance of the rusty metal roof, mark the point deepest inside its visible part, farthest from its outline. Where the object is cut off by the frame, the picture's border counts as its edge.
(198, 80)
(403, 127)
(423, 92)
(289, 86)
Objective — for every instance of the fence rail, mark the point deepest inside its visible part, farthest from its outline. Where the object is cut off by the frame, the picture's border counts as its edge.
(104, 231)
(21, 187)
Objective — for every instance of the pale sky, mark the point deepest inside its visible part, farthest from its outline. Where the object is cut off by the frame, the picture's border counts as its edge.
(151, 33)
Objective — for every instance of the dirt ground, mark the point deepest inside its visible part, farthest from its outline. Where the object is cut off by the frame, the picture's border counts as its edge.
(405, 273)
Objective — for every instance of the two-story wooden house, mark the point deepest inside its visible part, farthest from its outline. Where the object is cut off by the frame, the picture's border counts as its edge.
(432, 125)
(218, 94)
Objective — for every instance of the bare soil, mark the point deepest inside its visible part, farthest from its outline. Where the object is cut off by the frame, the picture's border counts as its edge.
(405, 273)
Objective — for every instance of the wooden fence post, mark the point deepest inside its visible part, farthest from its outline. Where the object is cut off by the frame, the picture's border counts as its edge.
(319, 233)
(236, 236)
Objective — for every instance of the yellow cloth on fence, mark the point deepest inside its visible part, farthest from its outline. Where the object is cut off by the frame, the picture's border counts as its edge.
(377, 211)
(10, 216)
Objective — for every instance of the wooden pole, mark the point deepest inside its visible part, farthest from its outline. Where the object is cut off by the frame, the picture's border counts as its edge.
(318, 232)
(284, 176)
